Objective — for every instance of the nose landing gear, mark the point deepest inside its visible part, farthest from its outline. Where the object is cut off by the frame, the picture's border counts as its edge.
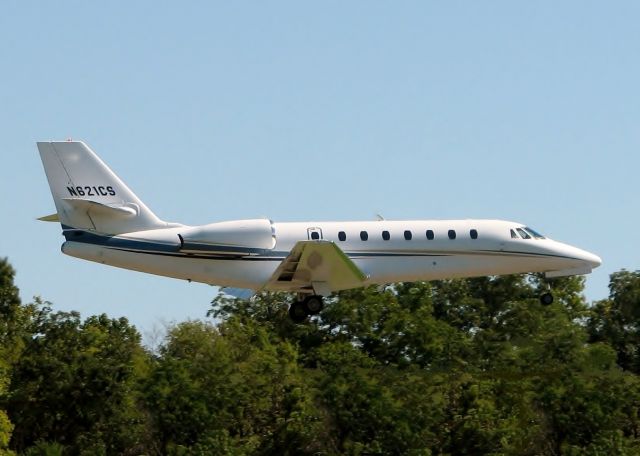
(546, 299)
(310, 305)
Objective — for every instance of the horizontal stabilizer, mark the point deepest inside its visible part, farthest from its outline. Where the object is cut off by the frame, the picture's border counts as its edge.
(50, 218)
(95, 207)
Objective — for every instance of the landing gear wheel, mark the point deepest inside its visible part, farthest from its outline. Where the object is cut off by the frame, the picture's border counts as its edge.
(313, 304)
(298, 312)
(546, 299)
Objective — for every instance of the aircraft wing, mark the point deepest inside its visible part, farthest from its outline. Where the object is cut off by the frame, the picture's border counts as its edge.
(318, 265)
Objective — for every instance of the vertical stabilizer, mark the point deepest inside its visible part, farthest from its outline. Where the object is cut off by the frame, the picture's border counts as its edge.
(88, 195)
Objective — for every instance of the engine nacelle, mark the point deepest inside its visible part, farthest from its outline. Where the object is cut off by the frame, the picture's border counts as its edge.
(225, 236)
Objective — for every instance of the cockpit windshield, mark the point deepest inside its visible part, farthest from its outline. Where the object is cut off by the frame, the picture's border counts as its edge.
(533, 233)
(524, 232)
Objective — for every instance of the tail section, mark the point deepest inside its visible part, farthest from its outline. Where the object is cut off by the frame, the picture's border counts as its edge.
(88, 195)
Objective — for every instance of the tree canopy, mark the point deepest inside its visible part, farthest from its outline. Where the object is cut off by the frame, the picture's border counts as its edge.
(475, 366)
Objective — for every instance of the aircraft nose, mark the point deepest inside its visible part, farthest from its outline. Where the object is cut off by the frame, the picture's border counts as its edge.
(579, 256)
(569, 260)
(593, 260)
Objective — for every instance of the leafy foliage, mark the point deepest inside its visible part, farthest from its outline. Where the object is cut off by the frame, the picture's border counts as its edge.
(616, 320)
(472, 367)
(74, 384)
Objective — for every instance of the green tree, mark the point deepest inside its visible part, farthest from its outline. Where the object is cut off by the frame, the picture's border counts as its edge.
(482, 358)
(74, 384)
(230, 387)
(474, 366)
(395, 326)
(9, 343)
(616, 320)
(375, 408)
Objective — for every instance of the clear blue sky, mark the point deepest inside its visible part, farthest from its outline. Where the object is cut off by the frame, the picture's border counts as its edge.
(527, 111)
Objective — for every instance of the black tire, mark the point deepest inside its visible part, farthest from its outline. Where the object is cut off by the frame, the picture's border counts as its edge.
(546, 299)
(298, 312)
(313, 304)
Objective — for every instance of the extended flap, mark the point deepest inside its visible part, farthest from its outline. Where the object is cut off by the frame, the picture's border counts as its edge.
(317, 262)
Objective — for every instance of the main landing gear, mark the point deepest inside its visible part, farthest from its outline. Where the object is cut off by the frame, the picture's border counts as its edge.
(301, 309)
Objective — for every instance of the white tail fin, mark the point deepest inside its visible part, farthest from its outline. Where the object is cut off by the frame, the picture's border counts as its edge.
(88, 195)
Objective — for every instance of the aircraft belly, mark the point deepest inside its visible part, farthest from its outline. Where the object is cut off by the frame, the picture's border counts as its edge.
(222, 272)
(255, 272)
(407, 269)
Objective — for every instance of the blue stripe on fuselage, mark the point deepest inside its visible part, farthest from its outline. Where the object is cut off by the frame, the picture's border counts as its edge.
(225, 252)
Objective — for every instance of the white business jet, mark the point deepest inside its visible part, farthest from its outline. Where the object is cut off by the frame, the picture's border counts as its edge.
(104, 221)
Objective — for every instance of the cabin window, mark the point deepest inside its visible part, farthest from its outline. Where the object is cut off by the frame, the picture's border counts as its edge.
(407, 235)
(342, 236)
(523, 233)
(385, 235)
(364, 235)
(473, 234)
(452, 234)
(430, 235)
(514, 235)
(315, 235)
